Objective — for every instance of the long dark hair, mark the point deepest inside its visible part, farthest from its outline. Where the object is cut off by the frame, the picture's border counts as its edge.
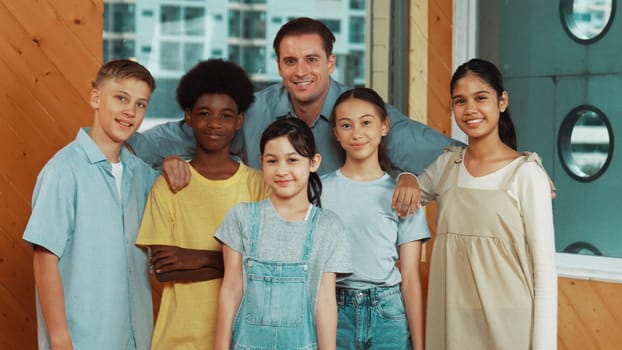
(301, 138)
(489, 73)
(372, 97)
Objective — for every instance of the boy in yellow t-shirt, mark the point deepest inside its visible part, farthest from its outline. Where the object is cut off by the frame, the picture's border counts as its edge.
(179, 227)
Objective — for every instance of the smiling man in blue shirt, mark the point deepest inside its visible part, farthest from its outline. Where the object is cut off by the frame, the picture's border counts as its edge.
(305, 61)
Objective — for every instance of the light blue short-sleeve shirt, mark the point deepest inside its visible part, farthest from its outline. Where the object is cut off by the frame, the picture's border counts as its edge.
(77, 215)
(374, 229)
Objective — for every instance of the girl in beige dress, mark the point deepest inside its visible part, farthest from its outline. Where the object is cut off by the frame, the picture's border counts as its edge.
(493, 282)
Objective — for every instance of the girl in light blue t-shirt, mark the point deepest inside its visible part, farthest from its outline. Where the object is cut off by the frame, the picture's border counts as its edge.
(379, 304)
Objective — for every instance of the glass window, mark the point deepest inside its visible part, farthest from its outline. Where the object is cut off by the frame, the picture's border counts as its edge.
(333, 24)
(585, 143)
(170, 20)
(119, 17)
(107, 18)
(235, 24)
(170, 57)
(586, 21)
(193, 52)
(357, 4)
(357, 29)
(254, 24)
(118, 48)
(194, 19)
(254, 59)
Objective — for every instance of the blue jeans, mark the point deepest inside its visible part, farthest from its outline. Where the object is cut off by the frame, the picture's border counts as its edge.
(372, 319)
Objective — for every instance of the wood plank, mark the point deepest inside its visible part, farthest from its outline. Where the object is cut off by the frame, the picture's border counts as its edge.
(16, 324)
(49, 35)
(25, 65)
(16, 271)
(83, 18)
(16, 167)
(440, 33)
(571, 332)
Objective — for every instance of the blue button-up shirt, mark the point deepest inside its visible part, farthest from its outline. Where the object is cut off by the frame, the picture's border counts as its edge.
(410, 145)
(77, 214)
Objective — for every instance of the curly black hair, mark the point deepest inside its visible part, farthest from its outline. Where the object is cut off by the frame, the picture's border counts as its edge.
(215, 76)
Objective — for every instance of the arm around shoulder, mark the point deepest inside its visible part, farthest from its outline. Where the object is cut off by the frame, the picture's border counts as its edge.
(412, 146)
(163, 140)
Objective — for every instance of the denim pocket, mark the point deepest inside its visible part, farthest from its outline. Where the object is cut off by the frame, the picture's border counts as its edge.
(391, 307)
(276, 301)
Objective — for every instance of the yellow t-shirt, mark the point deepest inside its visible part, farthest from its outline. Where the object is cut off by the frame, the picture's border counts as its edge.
(189, 219)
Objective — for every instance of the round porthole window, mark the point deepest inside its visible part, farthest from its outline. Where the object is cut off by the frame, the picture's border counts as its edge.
(585, 143)
(586, 21)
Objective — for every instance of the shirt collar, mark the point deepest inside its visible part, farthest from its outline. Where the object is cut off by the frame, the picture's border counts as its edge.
(284, 106)
(93, 153)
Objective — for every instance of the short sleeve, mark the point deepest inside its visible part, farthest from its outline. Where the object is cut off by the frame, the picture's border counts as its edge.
(413, 228)
(338, 255)
(157, 227)
(52, 219)
(233, 227)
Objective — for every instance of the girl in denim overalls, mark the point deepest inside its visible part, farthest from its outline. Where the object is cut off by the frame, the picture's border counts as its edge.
(282, 255)
(380, 307)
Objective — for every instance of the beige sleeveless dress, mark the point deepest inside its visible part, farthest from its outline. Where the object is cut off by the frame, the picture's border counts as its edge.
(481, 275)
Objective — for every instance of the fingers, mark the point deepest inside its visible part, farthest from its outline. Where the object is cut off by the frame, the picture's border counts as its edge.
(164, 259)
(405, 203)
(176, 172)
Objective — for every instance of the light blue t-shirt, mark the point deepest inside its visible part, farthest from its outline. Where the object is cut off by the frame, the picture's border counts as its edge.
(374, 229)
(77, 215)
(410, 145)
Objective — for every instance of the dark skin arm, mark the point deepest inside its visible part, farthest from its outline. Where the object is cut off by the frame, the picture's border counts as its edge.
(171, 263)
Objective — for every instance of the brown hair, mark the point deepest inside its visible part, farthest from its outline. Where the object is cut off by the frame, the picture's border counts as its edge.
(124, 69)
(305, 25)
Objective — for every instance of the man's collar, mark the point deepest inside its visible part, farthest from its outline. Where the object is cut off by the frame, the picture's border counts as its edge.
(284, 107)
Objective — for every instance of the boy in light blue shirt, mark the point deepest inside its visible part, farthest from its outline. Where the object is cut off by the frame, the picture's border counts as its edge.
(92, 282)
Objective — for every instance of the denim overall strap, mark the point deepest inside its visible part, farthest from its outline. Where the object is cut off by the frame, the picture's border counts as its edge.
(253, 223)
(310, 233)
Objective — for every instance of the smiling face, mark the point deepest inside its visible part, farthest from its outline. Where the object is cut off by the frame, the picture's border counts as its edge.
(120, 107)
(477, 107)
(286, 171)
(214, 119)
(305, 68)
(359, 128)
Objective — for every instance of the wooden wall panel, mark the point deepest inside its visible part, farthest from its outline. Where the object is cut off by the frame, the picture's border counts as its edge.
(49, 53)
(590, 315)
